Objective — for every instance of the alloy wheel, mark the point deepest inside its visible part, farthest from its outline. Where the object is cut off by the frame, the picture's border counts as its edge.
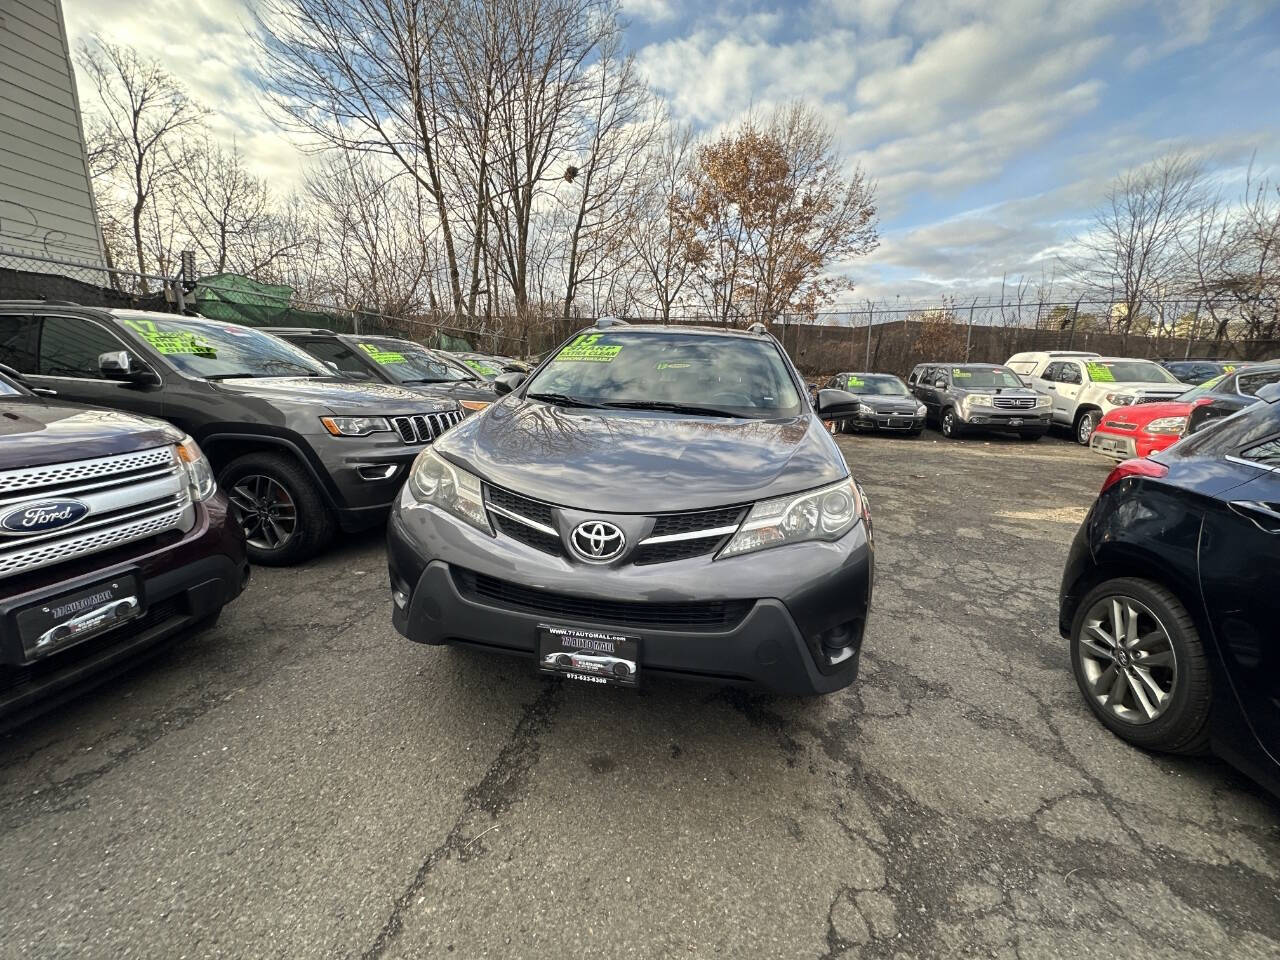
(1086, 428)
(948, 424)
(1128, 660)
(265, 511)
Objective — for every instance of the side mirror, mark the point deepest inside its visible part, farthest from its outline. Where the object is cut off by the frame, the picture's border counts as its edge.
(506, 382)
(836, 404)
(1270, 393)
(118, 365)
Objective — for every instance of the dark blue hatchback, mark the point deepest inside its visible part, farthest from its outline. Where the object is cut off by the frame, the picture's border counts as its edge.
(1171, 596)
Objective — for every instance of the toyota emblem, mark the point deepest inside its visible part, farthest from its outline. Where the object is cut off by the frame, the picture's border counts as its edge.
(597, 541)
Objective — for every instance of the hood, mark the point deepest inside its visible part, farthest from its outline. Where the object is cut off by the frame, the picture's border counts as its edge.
(482, 390)
(632, 461)
(339, 396)
(880, 403)
(34, 433)
(1142, 388)
(1141, 414)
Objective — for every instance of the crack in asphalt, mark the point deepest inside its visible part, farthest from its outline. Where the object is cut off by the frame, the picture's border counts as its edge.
(501, 786)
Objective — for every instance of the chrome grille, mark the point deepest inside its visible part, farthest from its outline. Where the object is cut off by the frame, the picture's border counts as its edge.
(1155, 398)
(1014, 403)
(30, 479)
(129, 497)
(425, 427)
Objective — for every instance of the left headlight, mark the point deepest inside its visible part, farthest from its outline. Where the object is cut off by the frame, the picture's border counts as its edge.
(824, 514)
(200, 479)
(1174, 425)
(355, 426)
(1120, 399)
(921, 410)
(473, 406)
(976, 400)
(436, 481)
(1043, 401)
(866, 410)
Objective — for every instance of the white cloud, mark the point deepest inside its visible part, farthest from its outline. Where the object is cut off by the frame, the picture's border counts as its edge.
(653, 11)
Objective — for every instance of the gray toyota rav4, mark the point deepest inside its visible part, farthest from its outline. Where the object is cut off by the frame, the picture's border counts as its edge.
(651, 499)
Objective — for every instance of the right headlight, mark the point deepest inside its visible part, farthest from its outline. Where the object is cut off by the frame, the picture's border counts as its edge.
(976, 400)
(866, 410)
(827, 513)
(1120, 399)
(1174, 425)
(200, 479)
(436, 481)
(921, 410)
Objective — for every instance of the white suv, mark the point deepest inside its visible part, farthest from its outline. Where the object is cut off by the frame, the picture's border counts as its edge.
(1026, 365)
(1083, 389)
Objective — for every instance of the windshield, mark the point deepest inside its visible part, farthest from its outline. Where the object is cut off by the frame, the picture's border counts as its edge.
(735, 375)
(213, 350)
(1128, 371)
(1196, 392)
(877, 385)
(970, 377)
(482, 366)
(9, 390)
(408, 362)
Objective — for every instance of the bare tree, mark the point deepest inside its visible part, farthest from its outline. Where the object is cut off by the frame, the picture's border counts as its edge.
(227, 210)
(366, 77)
(660, 236)
(620, 123)
(1132, 253)
(144, 109)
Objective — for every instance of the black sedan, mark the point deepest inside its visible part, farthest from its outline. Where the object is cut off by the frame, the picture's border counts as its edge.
(1171, 596)
(885, 403)
(1232, 394)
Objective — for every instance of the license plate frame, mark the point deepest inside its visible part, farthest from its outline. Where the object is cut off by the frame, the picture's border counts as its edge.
(64, 619)
(1015, 422)
(589, 655)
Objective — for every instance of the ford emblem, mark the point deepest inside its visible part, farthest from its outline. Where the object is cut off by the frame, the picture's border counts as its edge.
(42, 517)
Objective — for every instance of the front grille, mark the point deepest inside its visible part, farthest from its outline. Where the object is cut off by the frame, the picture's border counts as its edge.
(1159, 398)
(677, 549)
(667, 524)
(425, 427)
(527, 535)
(699, 615)
(533, 509)
(1117, 425)
(1014, 403)
(129, 497)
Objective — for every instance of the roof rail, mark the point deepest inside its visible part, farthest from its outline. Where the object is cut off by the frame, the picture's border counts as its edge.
(759, 329)
(604, 323)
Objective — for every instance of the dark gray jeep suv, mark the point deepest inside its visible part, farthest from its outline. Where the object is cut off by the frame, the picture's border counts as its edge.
(300, 452)
(649, 500)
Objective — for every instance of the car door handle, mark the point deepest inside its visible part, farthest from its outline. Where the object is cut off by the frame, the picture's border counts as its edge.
(1264, 516)
(44, 391)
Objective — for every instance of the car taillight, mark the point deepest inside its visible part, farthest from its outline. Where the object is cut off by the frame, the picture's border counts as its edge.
(1133, 468)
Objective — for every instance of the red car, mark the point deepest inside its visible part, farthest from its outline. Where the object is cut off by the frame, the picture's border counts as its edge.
(1145, 428)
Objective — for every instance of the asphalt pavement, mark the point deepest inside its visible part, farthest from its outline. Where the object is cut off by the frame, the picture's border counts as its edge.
(299, 781)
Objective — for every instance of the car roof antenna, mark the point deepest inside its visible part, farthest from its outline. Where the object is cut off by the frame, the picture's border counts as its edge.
(604, 323)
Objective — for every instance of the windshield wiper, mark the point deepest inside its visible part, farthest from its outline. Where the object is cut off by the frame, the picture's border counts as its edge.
(424, 380)
(672, 408)
(562, 400)
(251, 375)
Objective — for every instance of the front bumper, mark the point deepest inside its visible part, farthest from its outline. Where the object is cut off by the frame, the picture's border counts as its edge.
(1125, 446)
(888, 422)
(365, 473)
(1034, 421)
(454, 584)
(183, 579)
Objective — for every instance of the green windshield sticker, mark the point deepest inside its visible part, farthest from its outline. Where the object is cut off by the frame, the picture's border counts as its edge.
(481, 368)
(382, 356)
(171, 341)
(857, 382)
(586, 349)
(673, 365)
(1228, 368)
(1100, 373)
(960, 374)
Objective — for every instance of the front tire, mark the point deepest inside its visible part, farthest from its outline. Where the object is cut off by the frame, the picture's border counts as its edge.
(1139, 662)
(949, 424)
(274, 500)
(1085, 425)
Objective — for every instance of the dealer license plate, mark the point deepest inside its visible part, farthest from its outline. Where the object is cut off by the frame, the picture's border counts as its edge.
(66, 619)
(591, 656)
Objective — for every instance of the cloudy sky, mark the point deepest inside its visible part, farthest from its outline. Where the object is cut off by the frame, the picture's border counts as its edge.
(991, 127)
